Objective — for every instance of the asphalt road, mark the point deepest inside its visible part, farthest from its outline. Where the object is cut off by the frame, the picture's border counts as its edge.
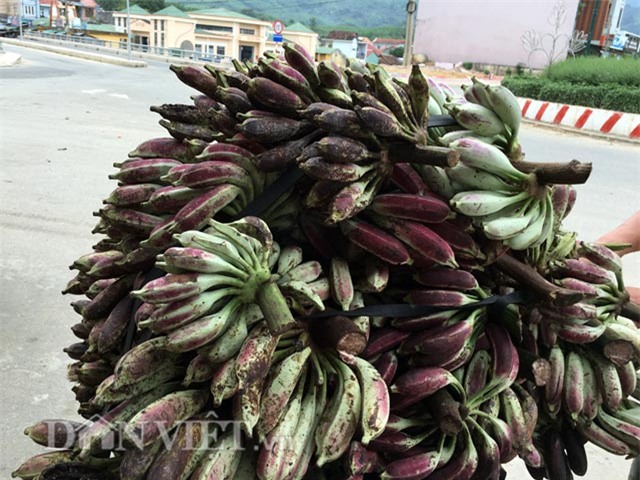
(63, 122)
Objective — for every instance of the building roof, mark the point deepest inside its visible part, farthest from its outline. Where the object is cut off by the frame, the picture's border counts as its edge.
(390, 41)
(372, 58)
(371, 48)
(172, 11)
(107, 28)
(135, 10)
(388, 60)
(325, 50)
(40, 22)
(342, 35)
(223, 12)
(298, 27)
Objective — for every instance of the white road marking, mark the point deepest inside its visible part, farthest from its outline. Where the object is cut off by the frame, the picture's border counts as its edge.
(119, 95)
(93, 92)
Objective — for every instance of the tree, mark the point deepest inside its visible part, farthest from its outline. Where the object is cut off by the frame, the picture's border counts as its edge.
(112, 5)
(151, 5)
(397, 51)
(313, 23)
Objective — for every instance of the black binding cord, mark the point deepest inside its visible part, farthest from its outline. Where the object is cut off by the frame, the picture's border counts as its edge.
(441, 121)
(151, 274)
(291, 176)
(408, 310)
(278, 188)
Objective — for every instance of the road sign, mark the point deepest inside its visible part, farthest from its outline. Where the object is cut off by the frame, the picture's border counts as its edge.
(278, 27)
(277, 38)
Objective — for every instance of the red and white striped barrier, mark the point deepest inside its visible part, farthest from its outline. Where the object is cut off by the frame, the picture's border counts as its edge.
(607, 122)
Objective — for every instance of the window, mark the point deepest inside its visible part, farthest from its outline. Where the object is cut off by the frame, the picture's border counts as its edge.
(198, 47)
(155, 24)
(247, 31)
(155, 38)
(619, 19)
(220, 50)
(162, 25)
(214, 28)
(162, 39)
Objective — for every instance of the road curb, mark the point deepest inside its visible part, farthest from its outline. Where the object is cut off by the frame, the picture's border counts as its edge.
(96, 57)
(574, 131)
(592, 121)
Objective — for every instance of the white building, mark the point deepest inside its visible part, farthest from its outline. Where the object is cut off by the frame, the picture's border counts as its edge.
(348, 43)
(485, 32)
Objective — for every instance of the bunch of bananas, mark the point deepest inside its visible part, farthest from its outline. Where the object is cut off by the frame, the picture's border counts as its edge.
(309, 280)
(508, 204)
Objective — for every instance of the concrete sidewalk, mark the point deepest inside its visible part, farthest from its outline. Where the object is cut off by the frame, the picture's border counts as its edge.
(9, 59)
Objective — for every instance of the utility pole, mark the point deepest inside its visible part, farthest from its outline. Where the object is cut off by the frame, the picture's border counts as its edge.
(592, 25)
(408, 36)
(128, 33)
(20, 18)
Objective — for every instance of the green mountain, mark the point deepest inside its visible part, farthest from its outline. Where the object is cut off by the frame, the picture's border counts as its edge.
(631, 17)
(348, 14)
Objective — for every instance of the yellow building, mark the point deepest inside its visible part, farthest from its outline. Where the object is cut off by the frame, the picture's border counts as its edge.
(140, 25)
(330, 54)
(213, 34)
(223, 33)
(108, 34)
(9, 7)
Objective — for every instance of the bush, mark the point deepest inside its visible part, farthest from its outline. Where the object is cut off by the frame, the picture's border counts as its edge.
(508, 71)
(596, 71)
(397, 51)
(611, 97)
(624, 99)
(563, 92)
(524, 86)
(467, 65)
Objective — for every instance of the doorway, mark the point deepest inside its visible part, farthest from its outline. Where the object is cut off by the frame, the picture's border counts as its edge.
(246, 52)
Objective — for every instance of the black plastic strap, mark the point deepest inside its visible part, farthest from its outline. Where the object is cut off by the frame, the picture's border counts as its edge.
(408, 310)
(131, 330)
(291, 176)
(441, 121)
(263, 201)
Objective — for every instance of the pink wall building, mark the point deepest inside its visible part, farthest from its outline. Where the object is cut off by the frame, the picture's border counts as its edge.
(485, 31)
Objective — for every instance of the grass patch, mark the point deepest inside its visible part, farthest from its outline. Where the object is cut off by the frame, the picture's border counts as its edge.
(609, 83)
(623, 98)
(596, 71)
